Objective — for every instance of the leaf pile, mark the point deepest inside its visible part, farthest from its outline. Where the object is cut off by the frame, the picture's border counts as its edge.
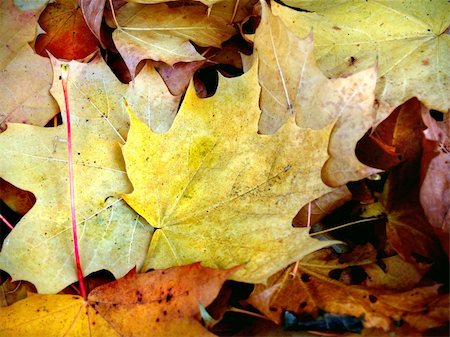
(300, 152)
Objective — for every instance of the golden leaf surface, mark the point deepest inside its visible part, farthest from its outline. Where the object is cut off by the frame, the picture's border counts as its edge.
(407, 39)
(218, 192)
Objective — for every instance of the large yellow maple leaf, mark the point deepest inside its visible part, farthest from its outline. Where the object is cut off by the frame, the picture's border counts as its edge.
(408, 39)
(112, 236)
(220, 193)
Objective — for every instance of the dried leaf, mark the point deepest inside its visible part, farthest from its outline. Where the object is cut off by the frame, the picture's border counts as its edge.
(289, 75)
(435, 189)
(23, 101)
(161, 33)
(66, 34)
(113, 237)
(159, 303)
(422, 308)
(235, 192)
(406, 38)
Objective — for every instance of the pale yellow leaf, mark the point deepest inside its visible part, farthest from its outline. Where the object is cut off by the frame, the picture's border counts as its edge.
(161, 33)
(112, 236)
(407, 39)
(292, 84)
(23, 101)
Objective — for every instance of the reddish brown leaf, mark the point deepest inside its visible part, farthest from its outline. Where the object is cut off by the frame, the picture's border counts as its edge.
(18, 200)
(67, 35)
(422, 308)
(178, 76)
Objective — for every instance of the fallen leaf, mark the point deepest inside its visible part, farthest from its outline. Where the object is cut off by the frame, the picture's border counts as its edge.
(307, 292)
(407, 39)
(233, 10)
(161, 33)
(23, 101)
(322, 206)
(292, 84)
(112, 236)
(18, 200)
(178, 76)
(158, 303)
(93, 15)
(235, 192)
(66, 34)
(435, 189)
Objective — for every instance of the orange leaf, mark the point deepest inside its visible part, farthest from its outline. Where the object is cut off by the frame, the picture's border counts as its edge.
(158, 303)
(67, 35)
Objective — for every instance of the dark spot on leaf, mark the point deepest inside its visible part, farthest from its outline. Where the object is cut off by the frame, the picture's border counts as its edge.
(93, 323)
(74, 297)
(303, 305)
(157, 320)
(352, 60)
(336, 28)
(373, 298)
(169, 297)
(273, 309)
(139, 296)
(187, 292)
(165, 312)
(305, 277)
(159, 301)
(426, 62)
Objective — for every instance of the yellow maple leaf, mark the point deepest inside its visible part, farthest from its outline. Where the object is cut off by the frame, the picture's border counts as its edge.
(112, 236)
(218, 192)
(407, 39)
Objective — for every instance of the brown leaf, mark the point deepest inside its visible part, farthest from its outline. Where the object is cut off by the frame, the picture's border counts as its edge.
(308, 292)
(435, 189)
(18, 200)
(67, 35)
(93, 15)
(178, 76)
(322, 206)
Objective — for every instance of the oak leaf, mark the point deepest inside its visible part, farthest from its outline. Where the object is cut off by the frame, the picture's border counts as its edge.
(158, 303)
(112, 236)
(161, 33)
(292, 84)
(235, 192)
(23, 101)
(407, 39)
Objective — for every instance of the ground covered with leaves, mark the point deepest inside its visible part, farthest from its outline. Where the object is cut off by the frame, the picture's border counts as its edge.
(239, 168)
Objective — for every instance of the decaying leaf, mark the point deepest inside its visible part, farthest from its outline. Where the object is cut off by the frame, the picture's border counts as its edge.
(23, 101)
(235, 192)
(292, 84)
(93, 15)
(112, 236)
(66, 34)
(406, 38)
(158, 303)
(435, 189)
(18, 200)
(161, 33)
(307, 292)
